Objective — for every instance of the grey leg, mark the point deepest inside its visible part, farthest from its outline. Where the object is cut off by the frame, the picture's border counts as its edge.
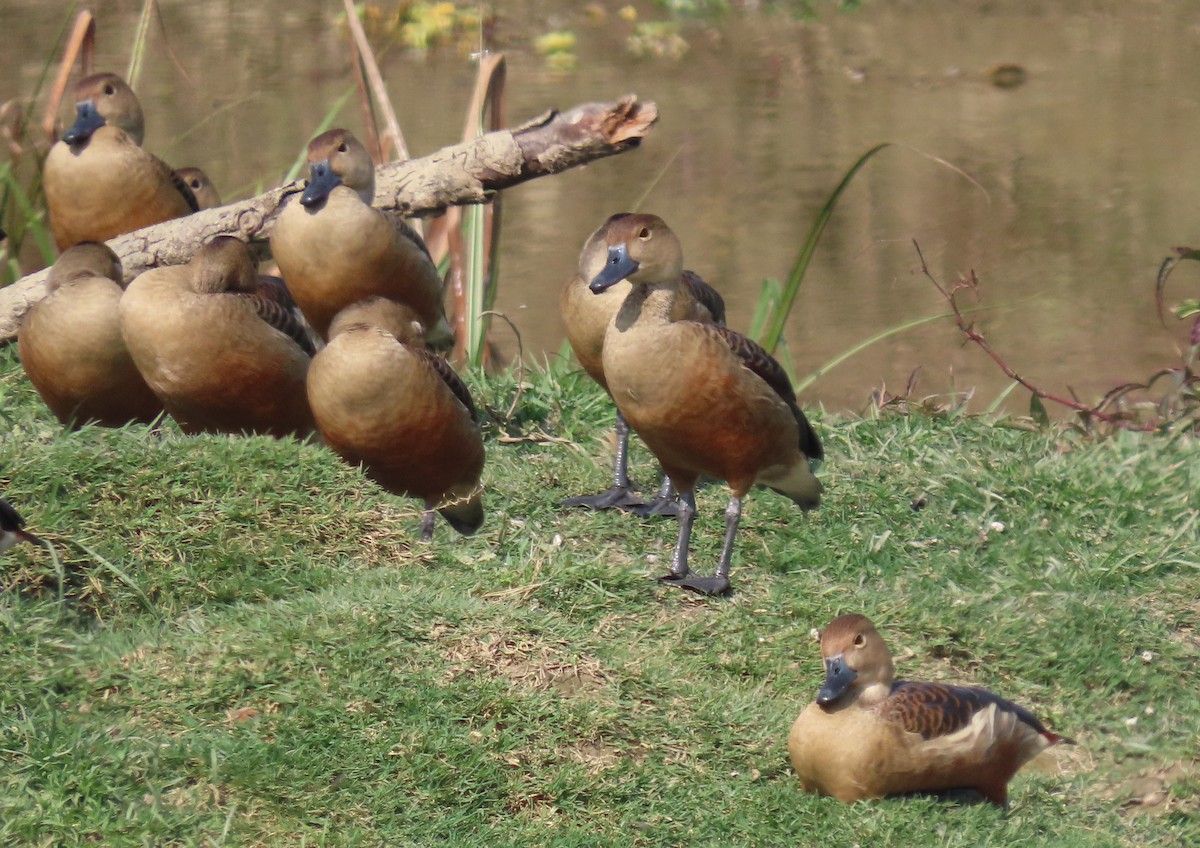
(718, 584)
(622, 494)
(427, 520)
(679, 559)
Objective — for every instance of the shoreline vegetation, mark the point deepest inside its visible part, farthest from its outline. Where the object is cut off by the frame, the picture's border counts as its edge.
(241, 641)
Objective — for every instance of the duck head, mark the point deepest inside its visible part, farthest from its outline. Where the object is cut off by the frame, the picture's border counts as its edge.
(857, 661)
(335, 158)
(202, 188)
(224, 264)
(86, 259)
(641, 249)
(394, 318)
(105, 99)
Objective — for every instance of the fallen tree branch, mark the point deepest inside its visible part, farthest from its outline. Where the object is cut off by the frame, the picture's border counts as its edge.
(461, 174)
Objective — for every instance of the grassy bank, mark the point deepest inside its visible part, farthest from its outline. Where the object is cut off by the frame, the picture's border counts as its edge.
(252, 647)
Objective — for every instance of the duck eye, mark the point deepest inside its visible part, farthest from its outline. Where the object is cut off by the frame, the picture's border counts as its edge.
(859, 640)
(341, 148)
(195, 183)
(109, 89)
(643, 233)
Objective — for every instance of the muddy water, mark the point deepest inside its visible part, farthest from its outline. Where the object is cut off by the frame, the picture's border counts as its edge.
(1080, 179)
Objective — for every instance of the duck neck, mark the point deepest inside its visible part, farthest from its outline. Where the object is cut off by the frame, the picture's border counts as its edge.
(647, 303)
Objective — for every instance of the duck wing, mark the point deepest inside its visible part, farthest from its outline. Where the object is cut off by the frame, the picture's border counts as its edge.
(755, 357)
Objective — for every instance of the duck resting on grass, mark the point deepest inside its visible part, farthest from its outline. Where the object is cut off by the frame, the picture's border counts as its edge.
(706, 400)
(381, 400)
(71, 345)
(217, 346)
(586, 317)
(869, 735)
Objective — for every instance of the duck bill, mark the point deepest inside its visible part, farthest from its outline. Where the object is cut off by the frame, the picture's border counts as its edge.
(87, 121)
(321, 181)
(617, 267)
(838, 679)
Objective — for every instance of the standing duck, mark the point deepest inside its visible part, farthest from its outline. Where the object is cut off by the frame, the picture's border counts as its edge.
(586, 317)
(868, 735)
(221, 356)
(12, 530)
(99, 181)
(334, 248)
(382, 400)
(71, 345)
(706, 400)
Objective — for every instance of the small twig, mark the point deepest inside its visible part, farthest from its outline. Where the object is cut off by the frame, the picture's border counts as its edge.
(971, 283)
(520, 369)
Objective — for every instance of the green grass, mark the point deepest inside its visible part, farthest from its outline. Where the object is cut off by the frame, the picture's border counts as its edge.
(253, 648)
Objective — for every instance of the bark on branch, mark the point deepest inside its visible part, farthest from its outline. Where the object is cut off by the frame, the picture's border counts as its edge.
(461, 174)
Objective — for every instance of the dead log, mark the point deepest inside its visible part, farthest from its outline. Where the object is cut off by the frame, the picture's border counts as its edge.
(461, 174)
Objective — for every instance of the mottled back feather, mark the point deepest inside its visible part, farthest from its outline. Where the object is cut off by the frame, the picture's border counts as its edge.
(756, 358)
(275, 289)
(934, 709)
(705, 295)
(282, 320)
(450, 378)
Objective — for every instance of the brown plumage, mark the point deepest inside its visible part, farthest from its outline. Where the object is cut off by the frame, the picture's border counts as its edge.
(381, 400)
(868, 735)
(334, 248)
(220, 356)
(707, 401)
(201, 187)
(71, 345)
(12, 526)
(99, 181)
(586, 317)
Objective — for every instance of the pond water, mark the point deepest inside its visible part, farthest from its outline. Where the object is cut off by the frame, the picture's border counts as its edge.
(1081, 178)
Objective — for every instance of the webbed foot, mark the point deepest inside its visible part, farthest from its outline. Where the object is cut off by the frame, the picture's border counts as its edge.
(615, 497)
(715, 585)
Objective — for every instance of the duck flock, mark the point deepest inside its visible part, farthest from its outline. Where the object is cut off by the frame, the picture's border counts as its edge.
(344, 349)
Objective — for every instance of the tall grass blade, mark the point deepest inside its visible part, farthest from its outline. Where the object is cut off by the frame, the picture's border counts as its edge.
(113, 569)
(82, 43)
(473, 252)
(32, 216)
(326, 123)
(829, 365)
(778, 318)
(382, 99)
(138, 52)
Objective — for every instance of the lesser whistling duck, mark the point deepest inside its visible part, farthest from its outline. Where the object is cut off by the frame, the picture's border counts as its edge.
(706, 400)
(12, 530)
(586, 317)
(99, 181)
(868, 735)
(201, 187)
(221, 356)
(71, 345)
(334, 248)
(380, 399)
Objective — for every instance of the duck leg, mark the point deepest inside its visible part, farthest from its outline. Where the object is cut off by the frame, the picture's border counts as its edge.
(622, 494)
(680, 574)
(428, 517)
(666, 502)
